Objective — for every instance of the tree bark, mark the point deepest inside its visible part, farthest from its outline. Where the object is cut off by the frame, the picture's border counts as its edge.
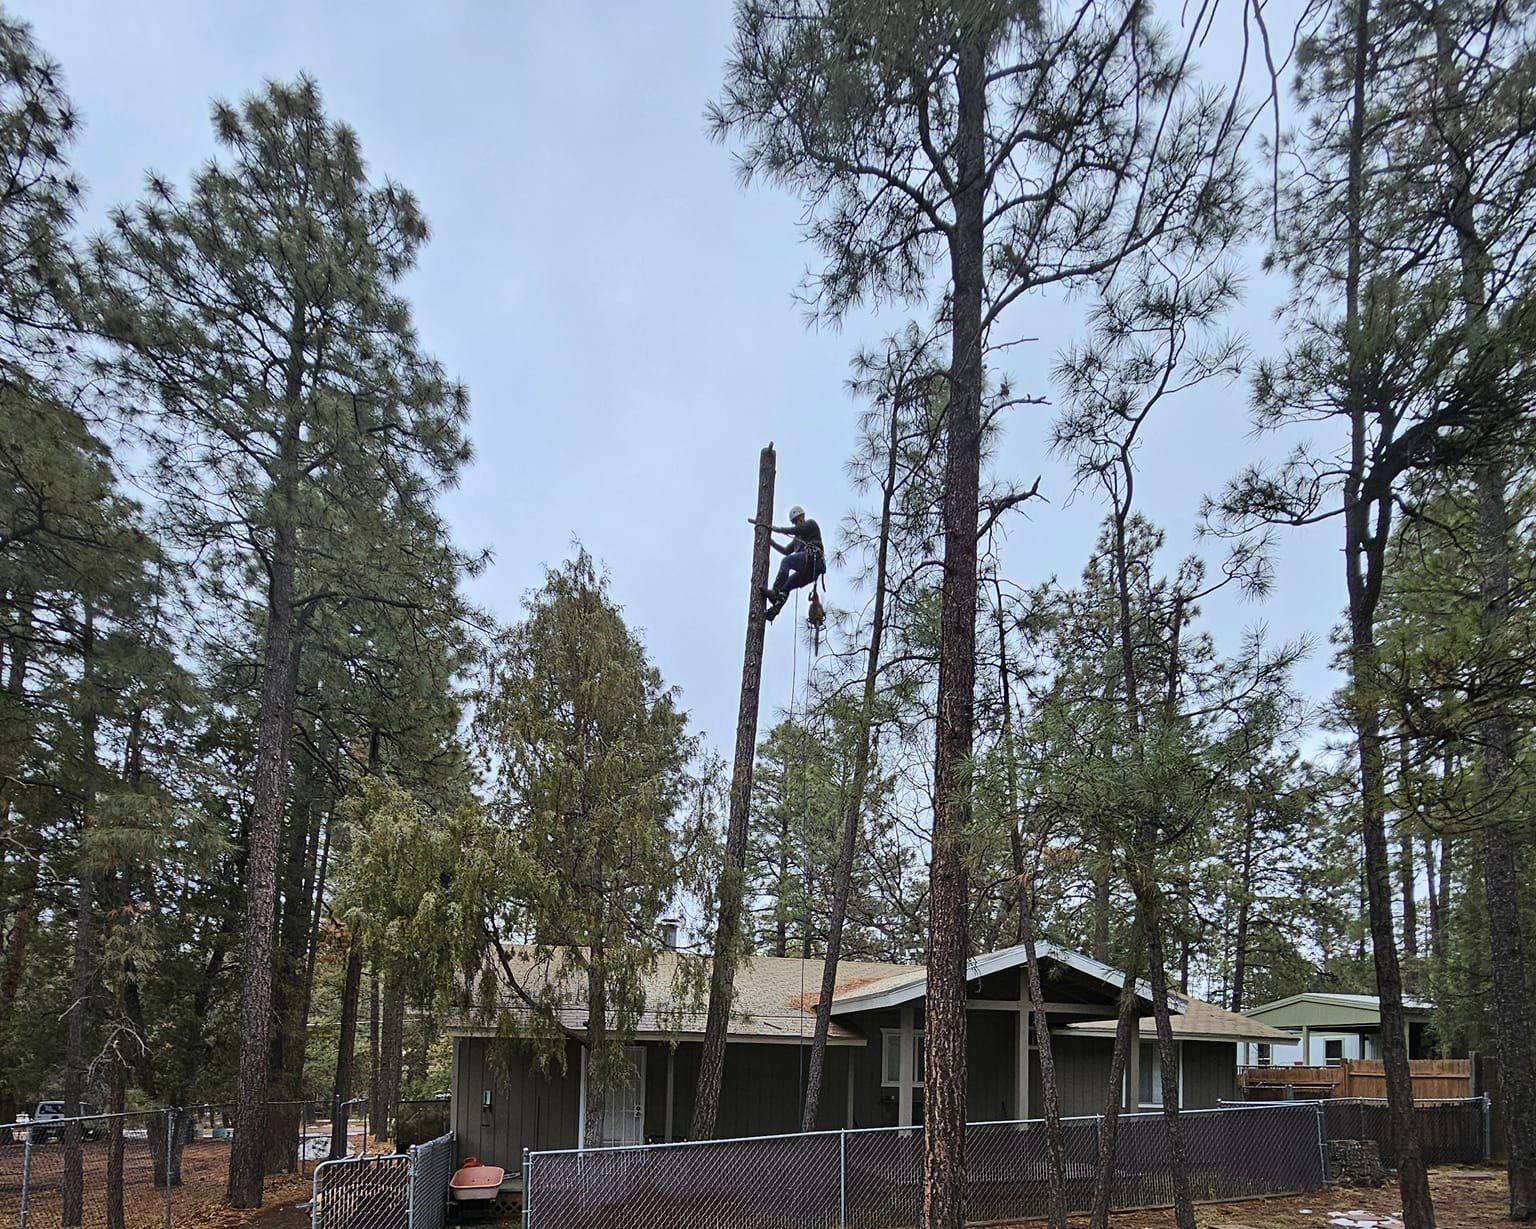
(1432, 901)
(289, 1006)
(1056, 1177)
(1501, 884)
(83, 979)
(270, 791)
(1127, 1034)
(346, 1047)
(1167, 1056)
(1367, 527)
(377, 1111)
(391, 1050)
(944, 1108)
(722, 976)
(1244, 908)
(596, 1083)
(274, 724)
(1100, 950)
(117, 1101)
(22, 925)
(853, 804)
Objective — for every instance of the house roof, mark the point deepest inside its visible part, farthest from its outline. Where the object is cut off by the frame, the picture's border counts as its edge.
(1321, 1009)
(776, 997)
(910, 982)
(1198, 1022)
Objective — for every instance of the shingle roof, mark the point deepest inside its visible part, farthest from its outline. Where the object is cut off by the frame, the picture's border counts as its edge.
(1198, 1021)
(776, 997)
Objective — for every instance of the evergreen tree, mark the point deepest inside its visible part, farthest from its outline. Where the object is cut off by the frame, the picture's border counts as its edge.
(299, 433)
(937, 149)
(589, 752)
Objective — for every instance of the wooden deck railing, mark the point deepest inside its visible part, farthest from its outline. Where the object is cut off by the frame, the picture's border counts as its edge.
(1433, 1079)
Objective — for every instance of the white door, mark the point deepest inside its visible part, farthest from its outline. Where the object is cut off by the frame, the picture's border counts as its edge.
(624, 1102)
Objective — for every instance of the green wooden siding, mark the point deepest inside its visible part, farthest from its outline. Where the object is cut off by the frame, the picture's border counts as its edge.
(991, 1086)
(528, 1110)
(1210, 1073)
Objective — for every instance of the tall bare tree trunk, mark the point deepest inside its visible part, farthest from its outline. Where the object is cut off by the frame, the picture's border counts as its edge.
(1501, 882)
(1244, 908)
(1499, 794)
(391, 1050)
(378, 1112)
(117, 1102)
(1127, 1034)
(346, 1047)
(269, 790)
(23, 922)
(269, 796)
(722, 975)
(944, 1104)
(1367, 527)
(83, 977)
(1149, 899)
(853, 803)
(596, 1083)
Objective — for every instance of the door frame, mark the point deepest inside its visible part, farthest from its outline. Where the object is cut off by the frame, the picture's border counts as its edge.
(581, 1101)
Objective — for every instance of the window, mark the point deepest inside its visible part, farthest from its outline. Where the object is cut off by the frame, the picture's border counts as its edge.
(1333, 1051)
(1265, 1056)
(1151, 1075)
(891, 1056)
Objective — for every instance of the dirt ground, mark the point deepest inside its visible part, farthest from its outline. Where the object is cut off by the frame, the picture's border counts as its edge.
(198, 1201)
(1465, 1198)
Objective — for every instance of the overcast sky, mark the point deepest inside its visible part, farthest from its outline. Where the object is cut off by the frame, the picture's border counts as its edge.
(620, 309)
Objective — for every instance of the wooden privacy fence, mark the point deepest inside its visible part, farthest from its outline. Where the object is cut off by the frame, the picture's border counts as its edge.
(1434, 1079)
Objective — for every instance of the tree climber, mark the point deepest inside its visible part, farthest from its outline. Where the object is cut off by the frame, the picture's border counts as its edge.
(804, 559)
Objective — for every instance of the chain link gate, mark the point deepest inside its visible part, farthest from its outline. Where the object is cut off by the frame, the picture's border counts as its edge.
(401, 1190)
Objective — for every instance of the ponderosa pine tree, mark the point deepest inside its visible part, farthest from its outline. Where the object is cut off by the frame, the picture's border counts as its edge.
(938, 150)
(300, 435)
(1403, 368)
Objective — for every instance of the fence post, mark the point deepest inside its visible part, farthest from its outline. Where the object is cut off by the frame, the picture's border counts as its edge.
(170, 1143)
(527, 1189)
(842, 1179)
(26, 1174)
(1487, 1128)
(1322, 1142)
(410, 1187)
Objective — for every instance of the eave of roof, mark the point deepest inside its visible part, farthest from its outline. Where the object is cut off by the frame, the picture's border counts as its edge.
(909, 986)
(1323, 997)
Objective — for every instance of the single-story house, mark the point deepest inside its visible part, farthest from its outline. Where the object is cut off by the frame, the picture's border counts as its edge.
(874, 1074)
(1324, 1029)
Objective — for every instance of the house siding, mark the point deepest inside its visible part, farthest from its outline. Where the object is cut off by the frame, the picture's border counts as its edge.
(991, 1087)
(528, 1109)
(760, 1089)
(1082, 1074)
(1210, 1073)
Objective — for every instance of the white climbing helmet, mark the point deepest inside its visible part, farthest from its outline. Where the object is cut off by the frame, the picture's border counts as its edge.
(796, 511)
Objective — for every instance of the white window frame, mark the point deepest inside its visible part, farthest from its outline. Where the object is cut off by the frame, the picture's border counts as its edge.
(888, 1036)
(1342, 1043)
(1264, 1055)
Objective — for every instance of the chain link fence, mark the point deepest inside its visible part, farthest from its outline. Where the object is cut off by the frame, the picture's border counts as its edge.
(1450, 1132)
(150, 1168)
(871, 1179)
(406, 1190)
